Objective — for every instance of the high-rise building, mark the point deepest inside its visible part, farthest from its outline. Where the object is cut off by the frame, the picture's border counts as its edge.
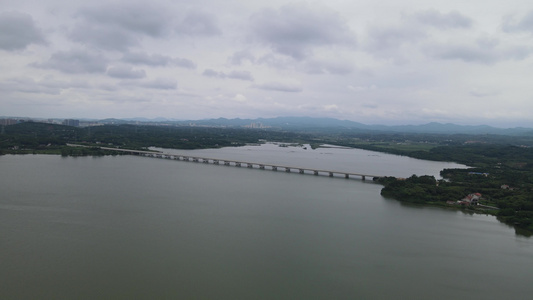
(71, 122)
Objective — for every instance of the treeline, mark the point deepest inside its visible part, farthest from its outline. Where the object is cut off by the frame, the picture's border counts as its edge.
(421, 189)
(50, 138)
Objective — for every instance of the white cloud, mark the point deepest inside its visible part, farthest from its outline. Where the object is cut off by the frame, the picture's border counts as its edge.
(239, 98)
(47, 85)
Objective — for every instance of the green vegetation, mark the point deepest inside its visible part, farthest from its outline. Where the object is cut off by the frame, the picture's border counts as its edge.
(502, 166)
(502, 174)
(28, 138)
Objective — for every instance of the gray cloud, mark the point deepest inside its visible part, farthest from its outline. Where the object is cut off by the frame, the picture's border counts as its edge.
(383, 39)
(184, 63)
(240, 56)
(125, 72)
(523, 24)
(309, 66)
(241, 75)
(106, 38)
(119, 26)
(143, 58)
(295, 30)
(157, 60)
(476, 92)
(439, 20)
(484, 51)
(18, 30)
(150, 20)
(158, 84)
(198, 24)
(327, 67)
(213, 73)
(279, 86)
(50, 82)
(74, 61)
(161, 84)
(387, 41)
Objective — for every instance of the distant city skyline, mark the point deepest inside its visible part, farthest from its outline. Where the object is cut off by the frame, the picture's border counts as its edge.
(374, 62)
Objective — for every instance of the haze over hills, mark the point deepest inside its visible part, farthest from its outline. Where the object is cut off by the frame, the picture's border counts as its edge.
(308, 123)
(316, 124)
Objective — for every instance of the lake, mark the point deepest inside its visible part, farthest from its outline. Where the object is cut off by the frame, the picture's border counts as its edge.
(130, 227)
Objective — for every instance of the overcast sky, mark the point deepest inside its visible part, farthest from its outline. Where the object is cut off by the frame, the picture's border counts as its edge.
(375, 61)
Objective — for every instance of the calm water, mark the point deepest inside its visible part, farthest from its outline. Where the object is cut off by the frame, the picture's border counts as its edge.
(143, 228)
(337, 159)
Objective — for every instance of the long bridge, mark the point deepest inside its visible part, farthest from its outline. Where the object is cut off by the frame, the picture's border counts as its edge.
(239, 163)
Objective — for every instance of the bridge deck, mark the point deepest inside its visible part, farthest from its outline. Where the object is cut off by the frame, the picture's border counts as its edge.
(237, 163)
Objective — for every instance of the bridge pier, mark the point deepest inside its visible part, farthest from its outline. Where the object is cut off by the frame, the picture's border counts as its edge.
(250, 165)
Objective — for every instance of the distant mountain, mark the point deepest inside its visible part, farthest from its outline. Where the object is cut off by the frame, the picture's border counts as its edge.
(308, 123)
(280, 122)
(159, 119)
(330, 125)
(450, 128)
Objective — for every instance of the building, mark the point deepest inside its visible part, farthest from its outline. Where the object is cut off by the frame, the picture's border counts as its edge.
(6, 122)
(471, 199)
(71, 122)
(256, 125)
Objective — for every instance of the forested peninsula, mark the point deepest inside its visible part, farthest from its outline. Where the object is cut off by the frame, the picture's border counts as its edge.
(499, 182)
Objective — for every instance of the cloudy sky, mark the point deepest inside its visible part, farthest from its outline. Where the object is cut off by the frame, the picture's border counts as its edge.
(371, 61)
